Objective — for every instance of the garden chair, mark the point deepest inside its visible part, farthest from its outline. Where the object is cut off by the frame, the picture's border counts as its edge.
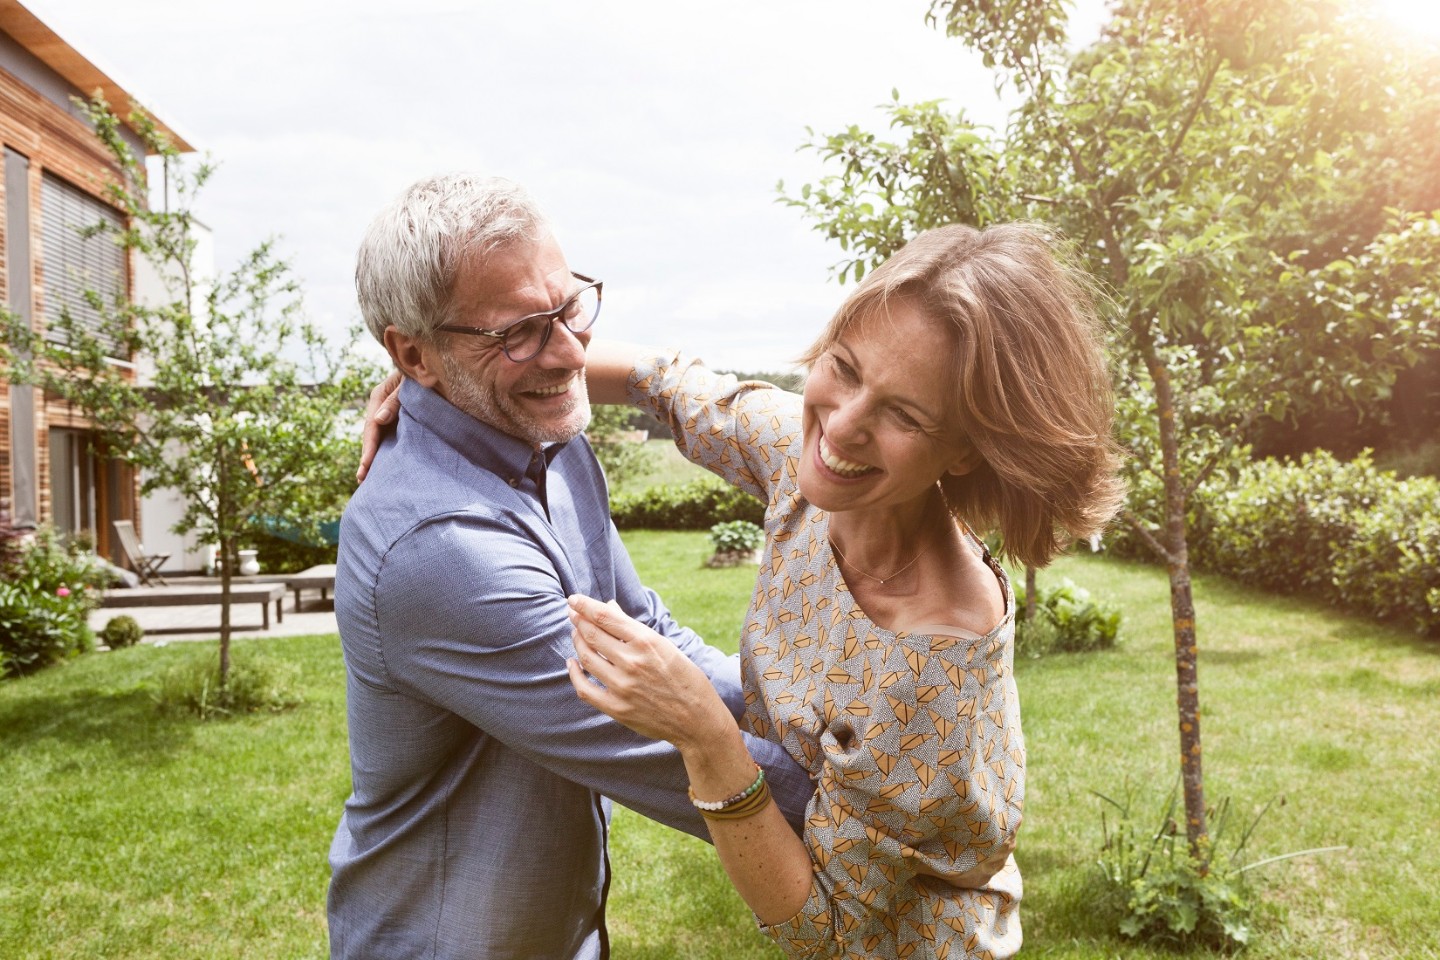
(146, 565)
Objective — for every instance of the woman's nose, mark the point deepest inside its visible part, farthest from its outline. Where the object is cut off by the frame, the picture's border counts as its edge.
(847, 423)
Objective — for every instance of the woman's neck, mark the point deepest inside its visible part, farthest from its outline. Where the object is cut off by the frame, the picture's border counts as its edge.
(884, 542)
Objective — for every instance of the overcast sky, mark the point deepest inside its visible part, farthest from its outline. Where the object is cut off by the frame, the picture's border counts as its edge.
(653, 132)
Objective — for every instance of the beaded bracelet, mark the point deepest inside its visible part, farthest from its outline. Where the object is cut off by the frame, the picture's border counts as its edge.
(714, 805)
(748, 807)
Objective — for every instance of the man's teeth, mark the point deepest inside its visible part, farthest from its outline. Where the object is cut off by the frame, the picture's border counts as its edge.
(842, 467)
(557, 389)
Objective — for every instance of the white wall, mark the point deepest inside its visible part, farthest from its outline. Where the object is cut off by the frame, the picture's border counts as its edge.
(160, 510)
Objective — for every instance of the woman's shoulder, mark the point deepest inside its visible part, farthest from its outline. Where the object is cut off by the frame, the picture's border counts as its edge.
(967, 597)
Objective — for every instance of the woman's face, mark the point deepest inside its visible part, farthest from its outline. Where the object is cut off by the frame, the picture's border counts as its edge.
(877, 428)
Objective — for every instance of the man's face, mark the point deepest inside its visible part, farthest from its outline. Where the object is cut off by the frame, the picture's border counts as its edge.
(542, 399)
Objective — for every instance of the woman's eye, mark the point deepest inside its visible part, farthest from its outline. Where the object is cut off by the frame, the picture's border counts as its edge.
(845, 371)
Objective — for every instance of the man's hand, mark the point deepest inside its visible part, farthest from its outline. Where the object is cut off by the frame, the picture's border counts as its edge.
(380, 411)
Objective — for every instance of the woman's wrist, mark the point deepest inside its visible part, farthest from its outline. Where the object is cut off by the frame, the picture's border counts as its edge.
(718, 764)
(707, 732)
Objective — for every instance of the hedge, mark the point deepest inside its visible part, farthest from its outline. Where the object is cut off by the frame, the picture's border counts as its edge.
(695, 505)
(1347, 532)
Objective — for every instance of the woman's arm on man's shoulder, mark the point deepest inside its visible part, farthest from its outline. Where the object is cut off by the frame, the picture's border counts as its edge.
(608, 365)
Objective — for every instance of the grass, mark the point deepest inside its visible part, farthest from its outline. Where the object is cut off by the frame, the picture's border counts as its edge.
(130, 834)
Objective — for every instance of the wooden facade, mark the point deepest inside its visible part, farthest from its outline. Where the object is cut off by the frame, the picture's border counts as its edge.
(45, 139)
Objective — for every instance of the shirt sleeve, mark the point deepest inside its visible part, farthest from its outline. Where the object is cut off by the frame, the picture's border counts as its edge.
(488, 642)
(919, 795)
(740, 430)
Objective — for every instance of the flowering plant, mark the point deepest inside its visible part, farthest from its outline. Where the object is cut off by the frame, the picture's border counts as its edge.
(45, 597)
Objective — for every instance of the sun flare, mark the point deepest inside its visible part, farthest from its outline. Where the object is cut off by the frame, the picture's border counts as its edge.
(1415, 17)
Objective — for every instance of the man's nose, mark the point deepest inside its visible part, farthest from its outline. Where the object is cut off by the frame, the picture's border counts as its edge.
(566, 348)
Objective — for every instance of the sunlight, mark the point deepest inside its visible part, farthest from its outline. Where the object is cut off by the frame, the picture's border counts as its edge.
(1416, 17)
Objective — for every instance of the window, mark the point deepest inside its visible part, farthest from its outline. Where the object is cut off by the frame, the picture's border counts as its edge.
(72, 481)
(75, 261)
(87, 488)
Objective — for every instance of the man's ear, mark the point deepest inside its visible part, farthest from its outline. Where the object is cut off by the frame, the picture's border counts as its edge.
(418, 359)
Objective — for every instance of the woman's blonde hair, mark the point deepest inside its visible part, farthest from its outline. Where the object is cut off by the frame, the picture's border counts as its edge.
(1031, 390)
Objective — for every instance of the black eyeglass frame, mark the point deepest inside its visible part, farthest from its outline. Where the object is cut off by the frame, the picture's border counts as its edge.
(550, 316)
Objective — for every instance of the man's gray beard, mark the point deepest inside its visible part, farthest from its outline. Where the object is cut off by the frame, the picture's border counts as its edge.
(465, 393)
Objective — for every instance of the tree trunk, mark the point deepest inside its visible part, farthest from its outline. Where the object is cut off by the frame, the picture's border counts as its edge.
(227, 570)
(1182, 612)
(227, 551)
(1029, 593)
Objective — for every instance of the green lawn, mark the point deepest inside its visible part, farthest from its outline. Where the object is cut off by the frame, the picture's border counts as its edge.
(128, 834)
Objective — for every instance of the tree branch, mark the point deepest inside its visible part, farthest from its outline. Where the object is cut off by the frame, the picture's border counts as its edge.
(1146, 534)
(1237, 431)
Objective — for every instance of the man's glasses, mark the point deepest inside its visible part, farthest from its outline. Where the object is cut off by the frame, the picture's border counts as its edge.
(524, 338)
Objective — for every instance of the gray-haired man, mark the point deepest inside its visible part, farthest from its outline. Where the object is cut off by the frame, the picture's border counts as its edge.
(477, 826)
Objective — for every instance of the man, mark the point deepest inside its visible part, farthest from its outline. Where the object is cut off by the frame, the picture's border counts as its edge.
(477, 826)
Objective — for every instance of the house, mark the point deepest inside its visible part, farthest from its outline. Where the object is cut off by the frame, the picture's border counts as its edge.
(54, 169)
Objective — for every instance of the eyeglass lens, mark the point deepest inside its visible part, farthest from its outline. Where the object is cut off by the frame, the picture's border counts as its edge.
(527, 338)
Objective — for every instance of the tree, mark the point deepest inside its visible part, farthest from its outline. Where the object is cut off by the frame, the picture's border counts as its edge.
(622, 458)
(1223, 167)
(245, 411)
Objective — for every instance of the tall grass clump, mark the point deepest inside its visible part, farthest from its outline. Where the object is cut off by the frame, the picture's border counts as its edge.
(256, 684)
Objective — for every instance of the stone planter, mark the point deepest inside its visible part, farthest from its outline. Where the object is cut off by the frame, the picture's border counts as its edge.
(733, 558)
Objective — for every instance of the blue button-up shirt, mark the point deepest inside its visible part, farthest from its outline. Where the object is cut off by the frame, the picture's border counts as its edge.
(477, 825)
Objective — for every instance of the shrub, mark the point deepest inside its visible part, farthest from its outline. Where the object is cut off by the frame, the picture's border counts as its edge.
(695, 505)
(122, 631)
(1163, 893)
(1346, 532)
(737, 536)
(1391, 565)
(49, 586)
(256, 684)
(279, 555)
(1280, 525)
(1066, 620)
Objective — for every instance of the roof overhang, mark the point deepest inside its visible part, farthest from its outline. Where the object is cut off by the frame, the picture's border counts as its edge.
(50, 49)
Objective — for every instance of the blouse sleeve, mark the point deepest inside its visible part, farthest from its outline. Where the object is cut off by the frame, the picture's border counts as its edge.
(919, 796)
(737, 429)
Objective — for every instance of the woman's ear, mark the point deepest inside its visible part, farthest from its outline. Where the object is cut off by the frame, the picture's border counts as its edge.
(418, 359)
(966, 458)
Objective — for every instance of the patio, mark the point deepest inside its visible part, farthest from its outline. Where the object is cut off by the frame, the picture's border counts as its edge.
(201, 621)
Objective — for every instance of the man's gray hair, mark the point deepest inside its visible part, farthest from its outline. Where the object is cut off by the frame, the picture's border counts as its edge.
(405, 272)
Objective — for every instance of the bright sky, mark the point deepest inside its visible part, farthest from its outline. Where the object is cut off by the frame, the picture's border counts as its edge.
(653, 132)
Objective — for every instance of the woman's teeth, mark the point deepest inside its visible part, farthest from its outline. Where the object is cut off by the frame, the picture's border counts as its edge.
(845, 468)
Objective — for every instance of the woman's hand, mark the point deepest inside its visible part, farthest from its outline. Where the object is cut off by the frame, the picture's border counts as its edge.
(649, 685)
(380, 411)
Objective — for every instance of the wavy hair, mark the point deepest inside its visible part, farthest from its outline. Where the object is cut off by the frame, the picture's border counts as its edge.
(1031, 390)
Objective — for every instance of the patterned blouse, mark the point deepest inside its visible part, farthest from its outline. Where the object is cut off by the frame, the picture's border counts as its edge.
(913, 740)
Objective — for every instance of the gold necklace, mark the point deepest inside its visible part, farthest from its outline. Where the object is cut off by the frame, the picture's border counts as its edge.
(880, 580)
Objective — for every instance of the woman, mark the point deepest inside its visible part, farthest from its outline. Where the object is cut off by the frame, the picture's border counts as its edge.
(961, 385)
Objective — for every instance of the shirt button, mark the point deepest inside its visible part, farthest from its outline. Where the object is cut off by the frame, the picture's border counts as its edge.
(514, 481)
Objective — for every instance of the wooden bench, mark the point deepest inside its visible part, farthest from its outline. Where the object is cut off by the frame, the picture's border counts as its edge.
(200, 595)
(319, 577)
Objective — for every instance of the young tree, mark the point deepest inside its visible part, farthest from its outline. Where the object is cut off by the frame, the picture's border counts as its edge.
(1222, 165)
(245, 409)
